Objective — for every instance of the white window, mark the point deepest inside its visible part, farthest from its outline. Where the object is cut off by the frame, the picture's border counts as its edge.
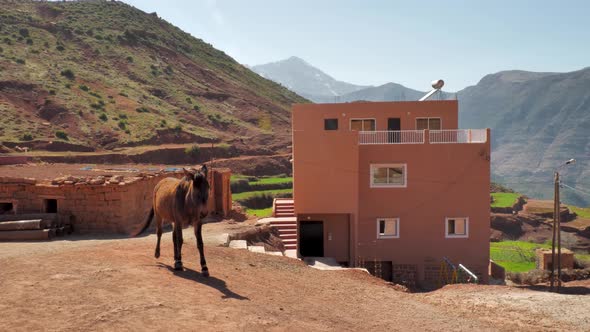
(387, 228)
(457, 227)
(428, 123)
(362, 124)
(388, 176)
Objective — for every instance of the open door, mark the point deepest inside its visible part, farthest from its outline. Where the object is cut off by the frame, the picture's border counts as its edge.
(394, 126)
(311, 242)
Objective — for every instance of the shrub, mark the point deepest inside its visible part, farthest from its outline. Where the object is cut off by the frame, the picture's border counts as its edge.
(46, 44)
(196, 108)
(27, 137)
(122, 125)
(84, 87)
(1, 50)
(20, 61)
(142, 109)
(163, 123)
(60, 48)
(189, 100)
(29, 41)
(122, 116)
(68, 85)
(95, 95)
(129, 59)
(123, 94)
(103, 117)
(193, 151)
(178, 128)
(8, 41)
(52, 92)
(68, 73)
(62, 135)
(24, 32)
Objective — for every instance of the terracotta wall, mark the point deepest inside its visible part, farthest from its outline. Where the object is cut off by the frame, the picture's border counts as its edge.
(331, 175)
(310, 117)
(336, 234)
(443, 180)
(107, 208)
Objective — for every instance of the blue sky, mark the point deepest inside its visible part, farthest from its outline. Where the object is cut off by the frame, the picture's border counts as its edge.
(407, 42)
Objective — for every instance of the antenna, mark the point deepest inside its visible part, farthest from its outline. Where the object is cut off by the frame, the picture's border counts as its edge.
(436, 86)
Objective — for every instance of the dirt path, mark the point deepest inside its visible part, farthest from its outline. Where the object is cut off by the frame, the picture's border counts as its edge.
(117, 284)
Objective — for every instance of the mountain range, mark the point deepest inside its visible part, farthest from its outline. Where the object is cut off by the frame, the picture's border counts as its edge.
(92, 75)
(538, 121)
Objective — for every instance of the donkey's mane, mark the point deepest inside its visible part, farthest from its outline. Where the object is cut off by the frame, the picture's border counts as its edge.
(191, 192)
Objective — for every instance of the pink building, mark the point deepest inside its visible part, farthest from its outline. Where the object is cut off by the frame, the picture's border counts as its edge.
(394, 186)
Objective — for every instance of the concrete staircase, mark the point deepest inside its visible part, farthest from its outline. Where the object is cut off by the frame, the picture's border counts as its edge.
(285, 221)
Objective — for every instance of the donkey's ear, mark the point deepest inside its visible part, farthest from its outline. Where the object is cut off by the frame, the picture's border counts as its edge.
(187, 172)
(204, 169)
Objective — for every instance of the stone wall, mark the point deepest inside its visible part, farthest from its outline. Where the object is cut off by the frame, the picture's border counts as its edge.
(117, 207)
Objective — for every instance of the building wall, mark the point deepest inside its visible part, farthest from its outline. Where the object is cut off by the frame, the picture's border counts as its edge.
(331, 175)
(336, 234)
(309, 117)
(106, 208)
(443, 180)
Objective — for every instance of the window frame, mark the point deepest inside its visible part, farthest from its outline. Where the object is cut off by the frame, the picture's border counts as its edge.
(396, 236)
(326, 120)
(456, 236)
(363, 119)
(427, 118)
(372, 167)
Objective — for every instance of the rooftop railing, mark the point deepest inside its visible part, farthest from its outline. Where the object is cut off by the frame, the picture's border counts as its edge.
(419, 136)
(392, 137)
(458, 136)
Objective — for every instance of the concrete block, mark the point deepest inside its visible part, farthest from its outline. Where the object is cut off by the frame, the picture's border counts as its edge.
(238, 244)
(257, 249)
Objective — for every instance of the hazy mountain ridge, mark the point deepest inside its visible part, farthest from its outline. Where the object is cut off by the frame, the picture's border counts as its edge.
(306, 80)
(538, 121)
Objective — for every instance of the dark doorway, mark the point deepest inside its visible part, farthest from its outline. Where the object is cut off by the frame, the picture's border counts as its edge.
(312, 239)
(51, 206)
(6, 208)
(394, 126)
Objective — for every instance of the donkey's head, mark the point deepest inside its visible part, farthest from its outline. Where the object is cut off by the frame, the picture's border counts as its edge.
(199, 193)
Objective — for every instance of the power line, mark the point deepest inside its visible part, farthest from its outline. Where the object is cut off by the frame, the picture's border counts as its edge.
(576, 189)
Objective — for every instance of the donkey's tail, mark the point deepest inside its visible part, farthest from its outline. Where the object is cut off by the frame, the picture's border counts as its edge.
(147, 223)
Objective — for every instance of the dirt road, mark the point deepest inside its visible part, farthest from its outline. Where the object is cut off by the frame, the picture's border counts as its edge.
(117, 284)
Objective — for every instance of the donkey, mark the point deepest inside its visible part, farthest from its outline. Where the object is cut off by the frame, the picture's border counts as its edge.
(181, 202)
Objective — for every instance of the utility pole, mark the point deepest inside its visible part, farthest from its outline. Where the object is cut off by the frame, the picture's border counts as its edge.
(557, 229)
(558, 217)
(555, 208)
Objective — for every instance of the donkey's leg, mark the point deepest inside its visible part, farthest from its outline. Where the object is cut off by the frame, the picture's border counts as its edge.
(159, 234)
(177, 247)
(197, 225)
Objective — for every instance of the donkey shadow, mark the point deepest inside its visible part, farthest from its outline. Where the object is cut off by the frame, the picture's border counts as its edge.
(210, 281)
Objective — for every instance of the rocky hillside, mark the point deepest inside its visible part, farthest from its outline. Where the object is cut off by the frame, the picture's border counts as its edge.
(538, 121)
(95, 74)
(299, 76)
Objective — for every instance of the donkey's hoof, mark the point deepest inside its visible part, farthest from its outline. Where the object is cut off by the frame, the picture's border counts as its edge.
(178, 266)
(157, 254)
(205, 272)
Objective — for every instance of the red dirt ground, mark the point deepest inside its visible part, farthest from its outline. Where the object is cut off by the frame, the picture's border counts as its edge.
(117, 284)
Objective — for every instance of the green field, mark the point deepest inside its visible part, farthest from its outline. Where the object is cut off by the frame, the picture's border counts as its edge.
(260, 213)
(272, 180)
(241, 196)
(515, 256)
(581, 212)
(254, 183)
(504, 199)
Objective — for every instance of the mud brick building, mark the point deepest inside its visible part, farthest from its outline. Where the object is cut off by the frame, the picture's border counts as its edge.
(105, 204)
